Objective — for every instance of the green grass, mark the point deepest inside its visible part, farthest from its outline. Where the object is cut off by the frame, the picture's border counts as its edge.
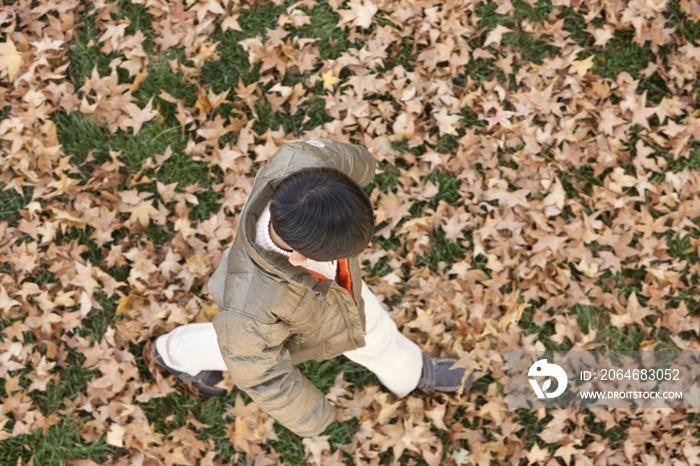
(74, 380)
(84, 58)
(80, 136)
(11, 202)
(61, 443)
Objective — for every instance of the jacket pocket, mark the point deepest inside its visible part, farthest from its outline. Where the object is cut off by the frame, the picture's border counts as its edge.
(304, 311)
(324, 323)
(293, 343)
(306, 317)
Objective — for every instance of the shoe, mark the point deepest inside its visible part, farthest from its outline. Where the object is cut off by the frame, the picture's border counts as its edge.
(438, 377)
(205, 381)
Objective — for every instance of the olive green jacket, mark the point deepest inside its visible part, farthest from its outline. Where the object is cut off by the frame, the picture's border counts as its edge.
(275, 315)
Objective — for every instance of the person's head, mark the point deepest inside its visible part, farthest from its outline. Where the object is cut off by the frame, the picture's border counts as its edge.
(322, 214)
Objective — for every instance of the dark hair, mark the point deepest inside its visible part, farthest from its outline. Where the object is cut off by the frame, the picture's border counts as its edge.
(323, 214)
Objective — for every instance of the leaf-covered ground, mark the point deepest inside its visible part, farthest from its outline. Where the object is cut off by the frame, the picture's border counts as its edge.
(538, 170)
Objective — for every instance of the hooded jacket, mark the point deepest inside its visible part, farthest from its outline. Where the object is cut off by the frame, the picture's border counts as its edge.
(274, 315)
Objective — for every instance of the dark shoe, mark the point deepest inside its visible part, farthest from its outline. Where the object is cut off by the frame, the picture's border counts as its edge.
(205, 381)
(438, 377)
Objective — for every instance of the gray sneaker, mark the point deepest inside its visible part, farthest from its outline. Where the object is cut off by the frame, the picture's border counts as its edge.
(438, 377)
(204, 381)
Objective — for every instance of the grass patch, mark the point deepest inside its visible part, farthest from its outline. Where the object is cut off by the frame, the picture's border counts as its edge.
(11, 202)
(61, 444)
(81, 136)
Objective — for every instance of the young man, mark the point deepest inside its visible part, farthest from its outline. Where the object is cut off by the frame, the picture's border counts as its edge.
(290, 290)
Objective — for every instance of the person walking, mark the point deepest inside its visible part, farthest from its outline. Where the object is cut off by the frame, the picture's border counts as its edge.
(289, 289)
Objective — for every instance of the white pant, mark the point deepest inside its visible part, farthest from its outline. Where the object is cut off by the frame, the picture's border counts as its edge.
(395, 359)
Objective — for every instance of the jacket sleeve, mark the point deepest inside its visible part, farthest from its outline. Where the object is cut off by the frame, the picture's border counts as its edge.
(352, 159)
(260, 365)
